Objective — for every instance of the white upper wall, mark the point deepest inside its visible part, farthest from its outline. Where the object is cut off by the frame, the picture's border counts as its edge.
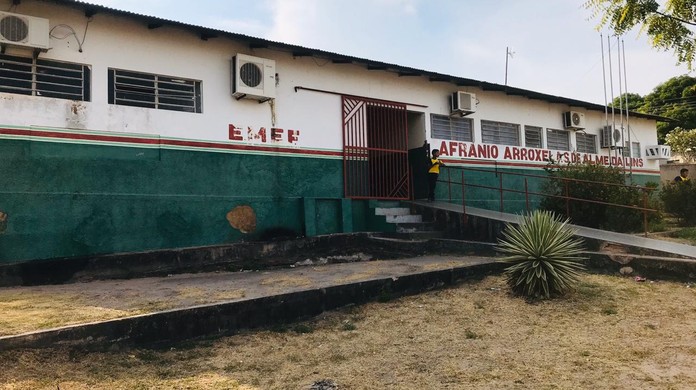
(123, 43)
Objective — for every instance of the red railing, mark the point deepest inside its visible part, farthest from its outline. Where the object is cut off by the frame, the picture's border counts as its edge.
(565, 183)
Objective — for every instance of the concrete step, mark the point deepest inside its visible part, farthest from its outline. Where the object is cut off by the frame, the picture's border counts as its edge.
(384, 203)
(404, 218)
(414, 227)
(422, 235)
(392, 211)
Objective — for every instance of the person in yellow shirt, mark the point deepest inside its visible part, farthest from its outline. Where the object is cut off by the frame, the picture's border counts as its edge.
(683, 176)
(433, 173)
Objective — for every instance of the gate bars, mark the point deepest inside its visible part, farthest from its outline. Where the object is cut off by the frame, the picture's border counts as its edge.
(375, 149)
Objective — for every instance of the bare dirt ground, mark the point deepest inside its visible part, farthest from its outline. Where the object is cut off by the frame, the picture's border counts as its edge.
(612, 333)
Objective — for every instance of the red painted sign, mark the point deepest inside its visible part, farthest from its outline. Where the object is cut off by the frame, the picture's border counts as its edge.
(262, 135)
(516, 153)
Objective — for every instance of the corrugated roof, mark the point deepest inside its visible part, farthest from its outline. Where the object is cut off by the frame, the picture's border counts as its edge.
(206, 33)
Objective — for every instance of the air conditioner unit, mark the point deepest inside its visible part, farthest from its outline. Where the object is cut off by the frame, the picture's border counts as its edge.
(253, 78)
(574, 120)
(24, 31)
(463, 102)
(611, 138)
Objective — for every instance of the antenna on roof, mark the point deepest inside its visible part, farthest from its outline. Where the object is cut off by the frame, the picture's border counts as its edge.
(508, 54)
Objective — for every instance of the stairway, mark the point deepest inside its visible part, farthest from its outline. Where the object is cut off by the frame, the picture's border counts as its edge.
(405, 222)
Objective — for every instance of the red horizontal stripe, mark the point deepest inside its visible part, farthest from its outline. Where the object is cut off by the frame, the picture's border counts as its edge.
(158, 141)
(229, 146)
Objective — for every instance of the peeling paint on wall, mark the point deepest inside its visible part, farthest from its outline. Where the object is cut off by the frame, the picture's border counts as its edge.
(3, 222)
(242, 218)
(76, 116)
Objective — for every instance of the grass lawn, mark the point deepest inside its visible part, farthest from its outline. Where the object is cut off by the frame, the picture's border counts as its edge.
(612, 333)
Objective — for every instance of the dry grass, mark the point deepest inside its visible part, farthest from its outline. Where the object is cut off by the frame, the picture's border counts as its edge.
(24, 311)
(612, 333)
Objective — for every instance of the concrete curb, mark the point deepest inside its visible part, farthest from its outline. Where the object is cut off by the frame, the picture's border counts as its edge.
(229, 317)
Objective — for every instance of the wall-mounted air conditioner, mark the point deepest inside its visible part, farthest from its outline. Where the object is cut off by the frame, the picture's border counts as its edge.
(611, 138)
(658, 152)
(573, 120)
(253, 78)
(463, 103)
(24, 31)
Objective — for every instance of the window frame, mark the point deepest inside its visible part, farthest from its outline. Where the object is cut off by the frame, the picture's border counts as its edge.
(540, 131)
(579, 135)
(143, 89)
(551, 145)
(635, 148)
(496, 138)
(42, 77)
(453, 128)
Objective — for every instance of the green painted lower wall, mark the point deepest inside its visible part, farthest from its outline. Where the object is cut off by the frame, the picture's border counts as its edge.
(64, 199)
(518, 195)
(77, 199)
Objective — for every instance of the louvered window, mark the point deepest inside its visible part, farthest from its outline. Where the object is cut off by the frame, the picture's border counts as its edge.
(586, 143)
(451, 128)
(532, 137)
(48, 78)
(500, 133)
(558, 139)
(154, 91)
(635, 149)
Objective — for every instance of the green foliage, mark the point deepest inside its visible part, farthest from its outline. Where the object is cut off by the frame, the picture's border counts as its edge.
(543, 254)
(668, 27)
(687, 234)
(632, 101)
(607, 187)
(683, 143)
(678, 199)
(672, 99)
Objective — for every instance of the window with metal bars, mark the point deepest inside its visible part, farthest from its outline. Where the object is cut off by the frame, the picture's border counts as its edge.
(48, 78)
(558, 139)
(451, 128)
(532, 137)
(128, 88)
(635, 150)
(500, 133)
(586, 143)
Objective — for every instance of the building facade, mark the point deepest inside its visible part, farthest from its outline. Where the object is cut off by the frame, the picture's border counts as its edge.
(122, 132)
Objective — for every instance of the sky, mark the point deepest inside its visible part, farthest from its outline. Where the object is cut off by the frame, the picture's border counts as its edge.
(555, 45)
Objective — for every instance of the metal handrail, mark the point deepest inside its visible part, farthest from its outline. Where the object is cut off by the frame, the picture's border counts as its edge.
(644, 209)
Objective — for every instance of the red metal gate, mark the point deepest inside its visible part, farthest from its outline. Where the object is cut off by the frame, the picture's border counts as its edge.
(375, 149)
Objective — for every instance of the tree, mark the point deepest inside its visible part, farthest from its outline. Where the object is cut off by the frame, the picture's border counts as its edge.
(669, 27)
(629, 100)
(675, 99)
(683, 142)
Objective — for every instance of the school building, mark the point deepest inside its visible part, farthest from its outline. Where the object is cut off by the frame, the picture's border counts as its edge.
(122, 132)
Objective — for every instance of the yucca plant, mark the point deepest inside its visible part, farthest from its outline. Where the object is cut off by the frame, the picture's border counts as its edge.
(544, 256)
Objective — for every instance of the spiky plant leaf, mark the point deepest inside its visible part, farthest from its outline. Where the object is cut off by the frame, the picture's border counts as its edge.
(544, 256)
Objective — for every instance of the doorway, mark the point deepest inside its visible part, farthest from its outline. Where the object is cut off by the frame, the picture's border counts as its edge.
(375, 149)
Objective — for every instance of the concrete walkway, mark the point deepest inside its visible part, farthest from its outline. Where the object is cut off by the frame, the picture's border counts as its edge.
(582, 231)
(193, 305)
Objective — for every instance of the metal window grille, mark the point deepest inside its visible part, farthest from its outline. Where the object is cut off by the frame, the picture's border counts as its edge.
(147, 90)
(558, 139)
(48, 78)
(500, 133)
(586, 143)
(456, 129)
(532, 137)
(635, 150)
